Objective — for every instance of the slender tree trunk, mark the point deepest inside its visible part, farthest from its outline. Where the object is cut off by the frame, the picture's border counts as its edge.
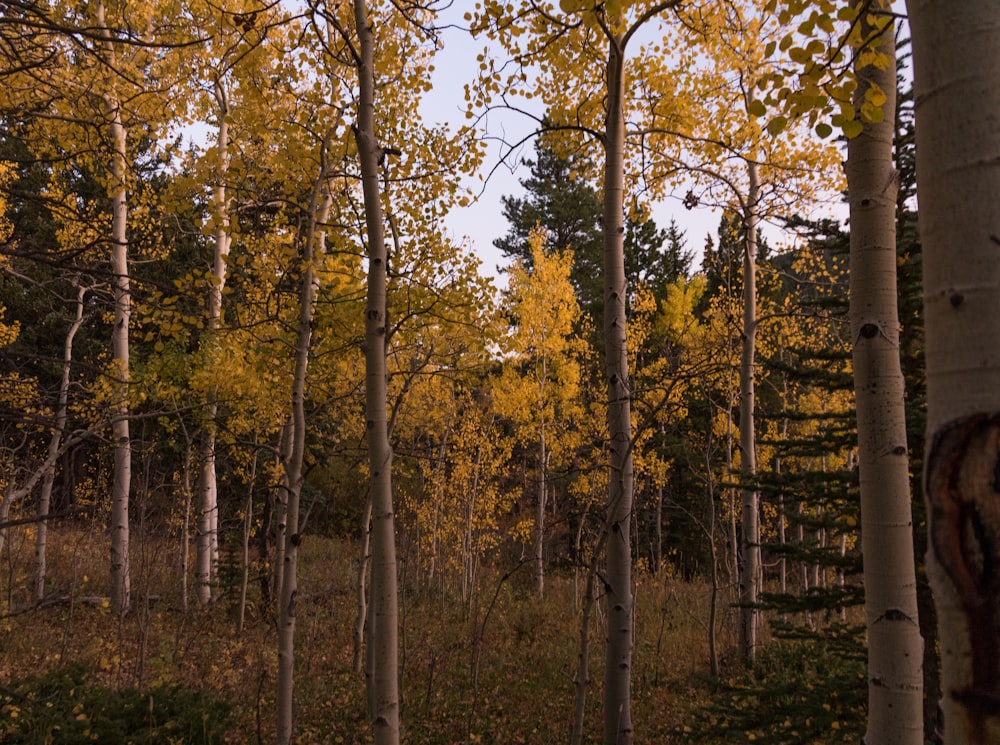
(122, 480)
(312, 253)
(471, 550)
(361, 589)
(658, 532)
(245, 545)
(282, 491)
(956, 68)
(581, 680)
(733, 543)
(618, 658)
(543, 462)
(713, 603)
(782, 504)
(207, 550)
(385, 609)
(10, 497)
(186, 526)
(749, 566)
(55, 445)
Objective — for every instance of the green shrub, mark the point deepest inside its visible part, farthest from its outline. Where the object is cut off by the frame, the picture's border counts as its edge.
(65, 707)
(799, 691)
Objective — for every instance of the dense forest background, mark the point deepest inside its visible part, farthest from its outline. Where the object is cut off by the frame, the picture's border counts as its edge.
(197, 404)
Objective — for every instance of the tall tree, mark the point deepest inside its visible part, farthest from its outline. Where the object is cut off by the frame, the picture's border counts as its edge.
(955, 67)
(121, 486)
(561, 202)
(599, 35)
(540, 381)
(313, 242)
(384, 616)
(895, 650)
(754, 172)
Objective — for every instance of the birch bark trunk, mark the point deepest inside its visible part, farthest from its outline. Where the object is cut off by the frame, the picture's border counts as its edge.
(749, 565)
(312, 251)
(55, 445)
(122, 480)
(384, 616)
(956, 66)
(543, 475)
(895, 649)
(207, 545)
(618, 651)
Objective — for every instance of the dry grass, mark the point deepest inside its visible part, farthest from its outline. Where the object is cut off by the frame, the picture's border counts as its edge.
(521, 692)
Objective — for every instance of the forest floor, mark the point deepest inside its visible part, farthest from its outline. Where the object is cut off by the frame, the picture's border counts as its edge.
(501, 678)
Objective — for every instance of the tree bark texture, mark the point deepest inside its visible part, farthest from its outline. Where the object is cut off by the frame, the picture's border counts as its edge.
(957, 104)
(55, 446)
(312, 252)
(207, 545)
(122, 480)
(749, 567)
(384, 616)
(543, 475)
(895, 648)
(618, 650)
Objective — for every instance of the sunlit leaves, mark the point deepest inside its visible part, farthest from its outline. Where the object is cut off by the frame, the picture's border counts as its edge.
(821, 40)
(541, 378)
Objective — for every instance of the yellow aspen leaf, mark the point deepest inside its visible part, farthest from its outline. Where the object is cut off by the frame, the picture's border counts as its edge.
(875, 95)
(777, 125)
(799, 55)
(847, 13)
(757, 108)
(852, 128)
(872, 114)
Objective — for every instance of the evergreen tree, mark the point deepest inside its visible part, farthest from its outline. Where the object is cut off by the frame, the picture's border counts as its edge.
(568, 210)
(722, 260)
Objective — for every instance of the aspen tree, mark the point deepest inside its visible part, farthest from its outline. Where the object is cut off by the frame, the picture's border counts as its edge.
(384, 616)
(207, 551)
(895, 652)
(313, 250)
(600, 34)
(207, 562)
(538, 396)
(56, 444)
(121, 485)
(756, 171)
(750, 570)
(232, 50)
(956, 66)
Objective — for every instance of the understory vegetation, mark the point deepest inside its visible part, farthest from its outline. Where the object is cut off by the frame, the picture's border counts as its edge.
(496, 669)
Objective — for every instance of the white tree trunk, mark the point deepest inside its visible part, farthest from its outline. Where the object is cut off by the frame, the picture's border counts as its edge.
(956, 68)
(895, 649)
(618, 651)
(207, 547)
(284, 456)
(749, 566)
(543, 463)
(384, 616)
(361, 589)
(122, 480)
(55, 445)
(312, 252)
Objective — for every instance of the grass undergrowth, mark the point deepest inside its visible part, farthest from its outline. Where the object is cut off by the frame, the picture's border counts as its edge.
(494, 668)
